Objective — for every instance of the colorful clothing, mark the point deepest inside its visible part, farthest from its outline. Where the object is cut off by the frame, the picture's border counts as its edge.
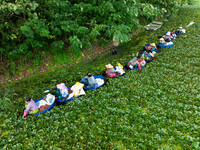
(133, 66)
(89, 82)
(133, 63)
(148, 48)
(141, 63)
(181, 31)
(110, 73)
(154, 49)
(162, 42)
(31, 108)
(147, 54)
(167, 38)
(34, 111)
(136, 63)
(173, 34)
(161, 45)
(77, 89)
(62, 93)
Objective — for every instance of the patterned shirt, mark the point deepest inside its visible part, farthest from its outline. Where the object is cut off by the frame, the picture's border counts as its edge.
(110, 73)
(133, 62)
(31, 106)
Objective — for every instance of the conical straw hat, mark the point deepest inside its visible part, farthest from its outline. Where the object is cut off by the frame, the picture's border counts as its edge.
(109, 66)
(153, 44)
(161, 39)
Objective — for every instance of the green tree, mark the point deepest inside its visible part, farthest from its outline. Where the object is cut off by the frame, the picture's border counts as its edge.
(27, 26)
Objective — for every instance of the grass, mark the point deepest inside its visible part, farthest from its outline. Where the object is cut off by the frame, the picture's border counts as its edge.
(156, 108)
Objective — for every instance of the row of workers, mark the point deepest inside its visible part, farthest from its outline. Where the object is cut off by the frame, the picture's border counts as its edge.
(62, 92)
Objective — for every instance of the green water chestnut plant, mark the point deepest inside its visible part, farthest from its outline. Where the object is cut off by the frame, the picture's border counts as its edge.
(156, 108)
(6, 100)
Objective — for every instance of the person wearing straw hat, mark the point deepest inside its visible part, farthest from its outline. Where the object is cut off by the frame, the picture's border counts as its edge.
(181, 30)
(173, 35)
(141, 62)
(136, 63)
(147, 47)
(153, 47)
(133, 63)
(161, 43)
(167, 37)
(150, 47)
(111, 72)
(147, 56)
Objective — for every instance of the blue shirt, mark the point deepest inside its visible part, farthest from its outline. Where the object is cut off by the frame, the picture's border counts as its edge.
(91, 81)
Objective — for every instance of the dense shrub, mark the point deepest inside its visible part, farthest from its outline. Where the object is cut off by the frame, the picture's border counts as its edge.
(29, 26)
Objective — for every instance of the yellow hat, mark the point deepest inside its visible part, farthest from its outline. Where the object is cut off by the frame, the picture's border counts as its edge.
(153, 44)
(109, 66)
(161, 39)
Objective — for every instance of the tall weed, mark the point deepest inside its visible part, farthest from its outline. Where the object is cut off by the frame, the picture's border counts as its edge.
(6, 97)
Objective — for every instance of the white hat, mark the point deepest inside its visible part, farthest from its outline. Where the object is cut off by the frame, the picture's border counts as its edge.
(180, 27)
(109, 66)
(168, 33)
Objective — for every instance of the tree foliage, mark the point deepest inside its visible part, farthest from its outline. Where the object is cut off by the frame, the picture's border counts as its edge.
(28, 26)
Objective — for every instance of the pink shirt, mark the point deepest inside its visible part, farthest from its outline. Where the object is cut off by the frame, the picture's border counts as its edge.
(31, 106)
(110, 74)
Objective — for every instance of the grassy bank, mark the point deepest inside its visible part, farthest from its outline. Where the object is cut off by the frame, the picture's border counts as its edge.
(156, 108)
